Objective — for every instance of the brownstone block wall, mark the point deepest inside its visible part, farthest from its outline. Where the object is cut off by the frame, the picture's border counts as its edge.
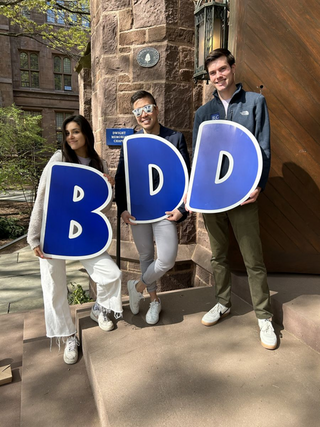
(120, 29)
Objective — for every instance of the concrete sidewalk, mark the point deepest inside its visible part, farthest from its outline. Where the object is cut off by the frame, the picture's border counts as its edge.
(20, 286)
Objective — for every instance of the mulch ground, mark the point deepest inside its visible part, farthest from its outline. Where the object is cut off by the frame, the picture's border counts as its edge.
(19, 211)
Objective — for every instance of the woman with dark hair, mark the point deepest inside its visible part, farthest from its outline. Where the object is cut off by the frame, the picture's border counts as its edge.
(70, 154)
(78, 147)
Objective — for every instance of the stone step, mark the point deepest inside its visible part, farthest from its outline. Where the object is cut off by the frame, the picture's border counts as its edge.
(295, 301)
(53, 393)
(181, 373)
(11, 334)
(175, 373)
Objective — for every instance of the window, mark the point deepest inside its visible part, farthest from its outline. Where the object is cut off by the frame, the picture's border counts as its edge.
(33, 113)
(56, 16)
(50, 16)
(62, 17)
(60, 117)
(85, 21)
(26, 12)
(80, 19)
(62, 73)
(29, 69)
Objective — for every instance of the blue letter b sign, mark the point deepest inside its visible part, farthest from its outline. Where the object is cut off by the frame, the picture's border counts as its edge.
(73, 225)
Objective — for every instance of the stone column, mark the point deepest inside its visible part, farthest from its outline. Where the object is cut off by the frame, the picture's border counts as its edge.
(120, 29)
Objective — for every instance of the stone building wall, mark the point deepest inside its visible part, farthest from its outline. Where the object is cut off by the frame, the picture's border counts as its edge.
(120, 29)
(85, 91)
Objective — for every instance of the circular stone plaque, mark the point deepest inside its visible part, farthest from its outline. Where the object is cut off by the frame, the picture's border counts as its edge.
(148, 57)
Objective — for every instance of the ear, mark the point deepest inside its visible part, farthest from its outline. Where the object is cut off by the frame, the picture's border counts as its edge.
(233, 68)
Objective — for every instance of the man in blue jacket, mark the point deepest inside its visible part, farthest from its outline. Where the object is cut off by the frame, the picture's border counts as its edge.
(231, 102)
(163, 232)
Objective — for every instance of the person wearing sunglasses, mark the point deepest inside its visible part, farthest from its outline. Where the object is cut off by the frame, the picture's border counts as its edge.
(163, 232)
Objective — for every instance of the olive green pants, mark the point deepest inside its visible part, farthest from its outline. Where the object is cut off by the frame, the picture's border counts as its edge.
(244, 221)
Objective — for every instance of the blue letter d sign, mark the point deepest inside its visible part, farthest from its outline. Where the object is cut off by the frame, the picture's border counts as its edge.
(156, 177)
(226, 168)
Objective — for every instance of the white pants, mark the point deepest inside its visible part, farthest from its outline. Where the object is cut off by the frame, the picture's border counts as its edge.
(102, 270)
(164, 233)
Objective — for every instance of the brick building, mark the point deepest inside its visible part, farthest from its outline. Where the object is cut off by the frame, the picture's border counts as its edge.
(37, 79)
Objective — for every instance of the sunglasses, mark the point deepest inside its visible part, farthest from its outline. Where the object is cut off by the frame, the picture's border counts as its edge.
(147, 109)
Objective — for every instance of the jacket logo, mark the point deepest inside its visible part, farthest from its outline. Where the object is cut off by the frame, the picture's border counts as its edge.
(215, 116)
(244, 113)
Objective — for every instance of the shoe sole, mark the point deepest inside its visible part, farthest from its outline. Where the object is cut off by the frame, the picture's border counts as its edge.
(269, 347)
(214, 323)
(153, 323)
(70, 363)
(109, 328)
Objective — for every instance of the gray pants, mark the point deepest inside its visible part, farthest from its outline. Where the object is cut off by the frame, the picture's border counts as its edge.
(164, 234)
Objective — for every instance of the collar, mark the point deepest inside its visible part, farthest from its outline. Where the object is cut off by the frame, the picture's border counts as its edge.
(239, 88)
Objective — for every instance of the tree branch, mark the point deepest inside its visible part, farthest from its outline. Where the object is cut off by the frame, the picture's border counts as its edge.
(70, 10)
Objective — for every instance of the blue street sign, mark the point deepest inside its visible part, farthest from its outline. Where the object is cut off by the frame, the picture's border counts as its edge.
(116, 136)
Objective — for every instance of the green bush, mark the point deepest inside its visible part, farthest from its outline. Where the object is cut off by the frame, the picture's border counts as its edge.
(9, 229)
(24, 152)
(78, 295)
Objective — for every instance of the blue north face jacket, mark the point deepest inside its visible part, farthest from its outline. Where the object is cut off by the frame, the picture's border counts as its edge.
(249, 109)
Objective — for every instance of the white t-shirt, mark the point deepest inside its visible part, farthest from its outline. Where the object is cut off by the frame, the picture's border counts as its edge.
(84, 160)
(226, 103)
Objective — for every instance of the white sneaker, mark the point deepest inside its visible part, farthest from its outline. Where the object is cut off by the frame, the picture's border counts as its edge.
(70, 355)
(134, 296)
(267, 336)
(99, 315)
(214, 315)
(152, 316)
